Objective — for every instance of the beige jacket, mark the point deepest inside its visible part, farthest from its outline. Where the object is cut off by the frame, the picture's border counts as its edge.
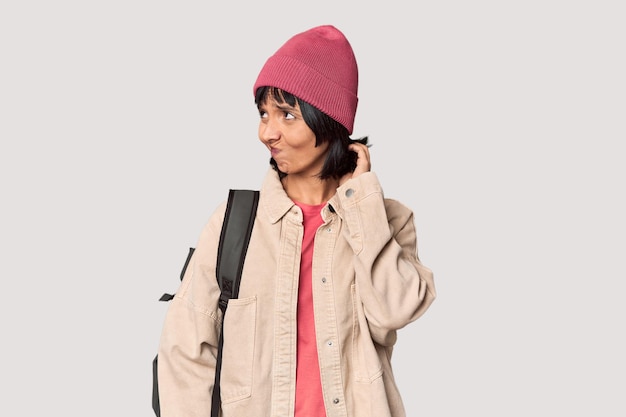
(367, 283)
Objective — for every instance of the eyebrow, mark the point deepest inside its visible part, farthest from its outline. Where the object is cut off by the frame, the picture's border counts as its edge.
(288, 109)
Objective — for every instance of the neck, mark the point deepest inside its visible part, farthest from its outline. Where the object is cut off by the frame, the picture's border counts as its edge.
(309, 190)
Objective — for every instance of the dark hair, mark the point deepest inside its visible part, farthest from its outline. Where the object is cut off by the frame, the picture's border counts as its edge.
(339, 159)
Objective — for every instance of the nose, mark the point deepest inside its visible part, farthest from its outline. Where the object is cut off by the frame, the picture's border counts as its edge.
(269, 131)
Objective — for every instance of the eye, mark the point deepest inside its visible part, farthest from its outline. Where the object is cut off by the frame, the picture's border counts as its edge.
(289, 116)
(262, 114)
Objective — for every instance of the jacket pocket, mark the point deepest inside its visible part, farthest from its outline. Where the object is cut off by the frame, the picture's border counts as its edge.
(238, 350)
(367, 363)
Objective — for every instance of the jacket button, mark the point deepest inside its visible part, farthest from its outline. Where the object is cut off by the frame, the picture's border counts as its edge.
(329, 343)
(336, 401)
(349, 192)
(324, 280)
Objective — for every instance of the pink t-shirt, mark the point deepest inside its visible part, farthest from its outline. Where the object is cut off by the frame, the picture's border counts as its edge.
(309, 397)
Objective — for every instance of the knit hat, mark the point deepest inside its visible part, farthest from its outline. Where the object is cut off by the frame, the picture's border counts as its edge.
(319, 67)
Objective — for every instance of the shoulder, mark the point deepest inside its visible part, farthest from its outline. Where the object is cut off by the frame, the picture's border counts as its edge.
(214, 223)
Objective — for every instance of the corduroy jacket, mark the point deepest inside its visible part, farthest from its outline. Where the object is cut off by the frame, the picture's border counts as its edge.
(367, 283)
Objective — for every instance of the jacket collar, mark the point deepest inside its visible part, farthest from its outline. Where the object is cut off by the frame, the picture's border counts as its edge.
(273, 197)
(277, 203)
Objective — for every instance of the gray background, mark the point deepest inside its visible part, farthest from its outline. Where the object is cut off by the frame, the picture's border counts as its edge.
(124, 123)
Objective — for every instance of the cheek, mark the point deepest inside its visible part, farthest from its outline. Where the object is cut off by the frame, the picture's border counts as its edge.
(305, 137)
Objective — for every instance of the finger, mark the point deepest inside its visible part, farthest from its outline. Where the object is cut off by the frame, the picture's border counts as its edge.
(361, 150)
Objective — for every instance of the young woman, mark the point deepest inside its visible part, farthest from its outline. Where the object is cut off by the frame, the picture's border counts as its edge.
(331, 272)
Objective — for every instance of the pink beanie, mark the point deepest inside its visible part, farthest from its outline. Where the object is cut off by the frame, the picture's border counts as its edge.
(319, 67)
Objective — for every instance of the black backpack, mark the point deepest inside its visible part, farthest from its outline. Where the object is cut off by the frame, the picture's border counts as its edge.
(236, 230)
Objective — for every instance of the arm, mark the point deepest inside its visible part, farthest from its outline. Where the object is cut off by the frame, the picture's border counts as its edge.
(188, 346)
(393, 285)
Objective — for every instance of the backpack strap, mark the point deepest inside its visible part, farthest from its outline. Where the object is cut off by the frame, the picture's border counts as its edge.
(236, 231)
(169, 297)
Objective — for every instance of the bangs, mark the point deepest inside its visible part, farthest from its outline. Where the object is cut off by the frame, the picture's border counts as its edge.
(263, 94)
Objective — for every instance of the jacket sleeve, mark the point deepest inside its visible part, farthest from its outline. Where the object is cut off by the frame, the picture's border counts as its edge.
(190, 335)
(391, 282)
